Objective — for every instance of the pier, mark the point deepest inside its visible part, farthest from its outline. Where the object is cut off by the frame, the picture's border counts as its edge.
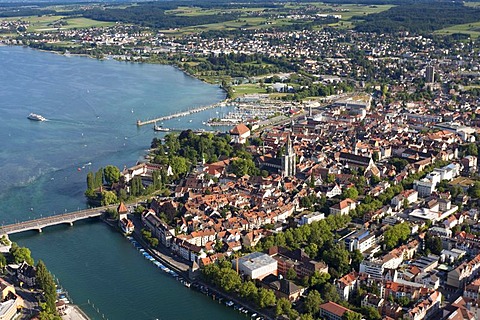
(40, 223)
(181, 113)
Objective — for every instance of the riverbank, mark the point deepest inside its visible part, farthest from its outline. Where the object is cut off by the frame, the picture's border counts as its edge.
(182, 268)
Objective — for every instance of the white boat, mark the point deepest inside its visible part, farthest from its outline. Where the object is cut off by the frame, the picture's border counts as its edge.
(36, 117)
(160, 128)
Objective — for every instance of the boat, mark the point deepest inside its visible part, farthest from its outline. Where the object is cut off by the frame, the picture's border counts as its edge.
(36, 117)
(160, 128)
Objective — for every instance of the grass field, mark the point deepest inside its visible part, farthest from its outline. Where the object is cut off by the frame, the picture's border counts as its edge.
(46, 23)
(473, 29)
(248, 22)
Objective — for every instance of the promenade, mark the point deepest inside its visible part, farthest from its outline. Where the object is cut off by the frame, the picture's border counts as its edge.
(73, 312)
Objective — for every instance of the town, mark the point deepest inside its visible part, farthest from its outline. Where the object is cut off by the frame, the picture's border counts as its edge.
(354, 197)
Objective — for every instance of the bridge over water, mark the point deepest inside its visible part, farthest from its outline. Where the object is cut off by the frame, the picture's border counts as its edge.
(40, 223)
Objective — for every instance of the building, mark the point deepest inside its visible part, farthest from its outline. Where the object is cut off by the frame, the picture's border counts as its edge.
(430, 74)
(159, 229)
(343, 207)
(332, 311)
(240, 133)
(256, 265)
(283, 288)
(297, 260)
(346, 285)
(289, 160)
(311, 217)
(27, 274)
(459, 276)
(361, 240)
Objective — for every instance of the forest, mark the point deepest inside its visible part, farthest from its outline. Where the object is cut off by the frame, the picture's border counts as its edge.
(418, 18)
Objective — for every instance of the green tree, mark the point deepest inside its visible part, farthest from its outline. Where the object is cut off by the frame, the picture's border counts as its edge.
(248, 290)
(351, 193)
(371, 313)
(111, 174)
(395, 235)
(99, 178)
(3, 261)
(20, 254)
(108, 197)
(313, 302)
(472, 149)
(350, 315)
(291, 274)
(90, 181)
(265, 298)
(47, 285)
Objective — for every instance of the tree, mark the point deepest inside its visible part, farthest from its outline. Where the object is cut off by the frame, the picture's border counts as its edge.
(472, 149)
(90, 181)
(351, 193)
(370, 313)
(396, 234)
(108, 197)
(337, 258)
(98, 178)
(313, 301)
(111, 174)
(248, 290)
(291, 274)
(350, 315)
(284, 306)
(265, 298)
(21, 254)
(47, 285)
(3, 261)
(434, 244)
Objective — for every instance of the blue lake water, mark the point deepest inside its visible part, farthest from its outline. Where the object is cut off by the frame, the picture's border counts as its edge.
(92, 107)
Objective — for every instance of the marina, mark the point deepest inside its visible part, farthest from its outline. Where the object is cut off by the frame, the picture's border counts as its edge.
(181, 114)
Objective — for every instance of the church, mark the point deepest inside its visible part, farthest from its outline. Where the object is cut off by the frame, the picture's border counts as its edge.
(284, 165)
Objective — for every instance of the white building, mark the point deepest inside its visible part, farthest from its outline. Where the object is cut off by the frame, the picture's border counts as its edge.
(256, 265)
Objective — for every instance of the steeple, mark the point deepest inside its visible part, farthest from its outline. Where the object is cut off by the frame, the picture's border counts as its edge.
(289, 160)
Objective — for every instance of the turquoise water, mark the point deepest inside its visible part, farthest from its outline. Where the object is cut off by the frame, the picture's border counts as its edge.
(92, 107)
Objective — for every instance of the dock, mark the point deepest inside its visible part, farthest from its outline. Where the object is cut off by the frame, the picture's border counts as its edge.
(181, 113)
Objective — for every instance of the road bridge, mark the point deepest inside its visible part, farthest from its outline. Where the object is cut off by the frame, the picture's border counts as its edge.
(41, 223)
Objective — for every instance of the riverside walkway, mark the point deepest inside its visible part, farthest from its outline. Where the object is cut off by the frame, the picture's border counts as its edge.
(181, 114)
(40, 223)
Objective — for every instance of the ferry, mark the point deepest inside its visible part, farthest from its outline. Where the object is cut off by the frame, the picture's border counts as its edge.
(36, 117)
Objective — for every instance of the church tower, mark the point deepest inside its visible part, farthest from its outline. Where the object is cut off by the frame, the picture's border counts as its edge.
(289, 160)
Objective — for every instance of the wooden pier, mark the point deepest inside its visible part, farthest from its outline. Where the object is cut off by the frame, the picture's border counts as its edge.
(181, 113)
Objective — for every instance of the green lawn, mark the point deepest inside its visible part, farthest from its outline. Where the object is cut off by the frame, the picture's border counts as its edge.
(248, 88)
(473, 29)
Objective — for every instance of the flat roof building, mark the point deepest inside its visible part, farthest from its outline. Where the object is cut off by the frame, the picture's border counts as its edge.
(256, 265)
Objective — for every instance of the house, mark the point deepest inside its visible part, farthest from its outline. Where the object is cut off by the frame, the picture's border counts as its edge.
(346, 285)
(343, 207)
(27, 274)
(282, 287)
(332, 311)
(406, 196)
(240, 133)
(159, 229)
(459, 276)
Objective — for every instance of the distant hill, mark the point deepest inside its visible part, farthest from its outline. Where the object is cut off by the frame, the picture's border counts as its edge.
(423, 17)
